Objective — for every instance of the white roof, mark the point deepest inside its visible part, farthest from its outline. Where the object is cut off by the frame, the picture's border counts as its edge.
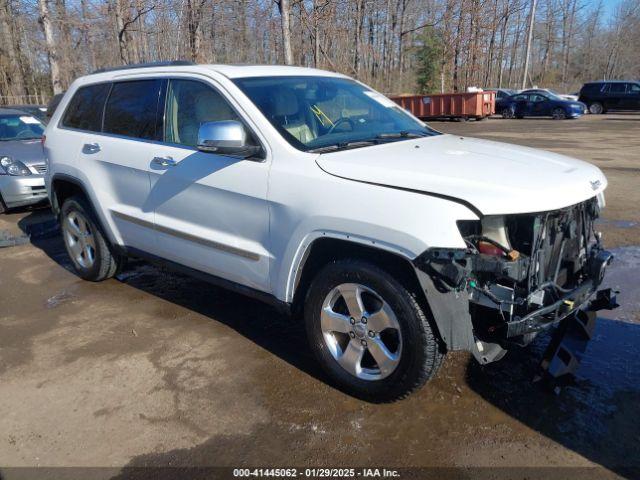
(238, 71)
(230, 71)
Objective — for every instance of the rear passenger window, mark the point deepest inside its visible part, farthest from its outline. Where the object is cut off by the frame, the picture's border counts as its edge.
(132, 109)
(85, 108)
(618, 88)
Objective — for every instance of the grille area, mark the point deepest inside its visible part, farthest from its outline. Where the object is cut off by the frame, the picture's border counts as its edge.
(41, 168)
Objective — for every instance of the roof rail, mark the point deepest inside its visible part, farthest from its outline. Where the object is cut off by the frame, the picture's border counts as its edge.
(174, 63)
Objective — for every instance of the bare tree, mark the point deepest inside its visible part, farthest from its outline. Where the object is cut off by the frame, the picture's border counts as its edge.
(285, 17)
(51, 46)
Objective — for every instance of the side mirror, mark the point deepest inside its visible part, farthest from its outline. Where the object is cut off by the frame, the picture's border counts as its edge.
(225, 138)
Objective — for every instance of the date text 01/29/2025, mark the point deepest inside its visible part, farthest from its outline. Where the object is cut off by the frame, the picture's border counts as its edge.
(316, 472)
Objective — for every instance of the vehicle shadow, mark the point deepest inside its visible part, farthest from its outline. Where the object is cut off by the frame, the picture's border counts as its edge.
(262, 324)
(597, 415)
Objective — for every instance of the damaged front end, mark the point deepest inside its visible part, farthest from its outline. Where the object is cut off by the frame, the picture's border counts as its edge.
(519, 275)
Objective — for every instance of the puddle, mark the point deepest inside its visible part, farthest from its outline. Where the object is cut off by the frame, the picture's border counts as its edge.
(624, 275)
(10, 239)
(616, 223)
(59, 299)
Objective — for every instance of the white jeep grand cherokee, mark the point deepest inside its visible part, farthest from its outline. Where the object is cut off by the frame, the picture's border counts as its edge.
(313, 192)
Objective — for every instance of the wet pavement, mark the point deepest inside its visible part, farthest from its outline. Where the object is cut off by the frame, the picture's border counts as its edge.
(157, 369)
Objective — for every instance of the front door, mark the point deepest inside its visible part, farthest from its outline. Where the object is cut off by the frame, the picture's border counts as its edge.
(210, 211)
(539, 105)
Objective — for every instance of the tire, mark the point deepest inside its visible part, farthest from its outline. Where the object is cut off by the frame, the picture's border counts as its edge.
(559, 114)
(596, 108)
(413, 351)
(3, 206)
(509, 112)
(85, 242)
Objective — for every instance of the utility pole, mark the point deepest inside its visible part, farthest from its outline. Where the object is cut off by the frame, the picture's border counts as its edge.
(532, 16)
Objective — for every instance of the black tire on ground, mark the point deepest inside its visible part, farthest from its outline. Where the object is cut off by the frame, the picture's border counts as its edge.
(3, 207)
(105, 264)
(559, 114)
(596, 108)
(508, 112)
(421, 353)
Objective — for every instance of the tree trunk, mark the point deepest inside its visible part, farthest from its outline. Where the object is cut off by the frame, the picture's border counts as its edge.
(532, 16)
(285, 20)
(15, 78)
(50, 41)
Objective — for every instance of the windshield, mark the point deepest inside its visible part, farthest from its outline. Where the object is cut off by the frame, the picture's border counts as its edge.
(20, 127)
(327, 114)
(553, 95)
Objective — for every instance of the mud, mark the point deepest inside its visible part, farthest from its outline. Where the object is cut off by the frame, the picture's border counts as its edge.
(157, 369)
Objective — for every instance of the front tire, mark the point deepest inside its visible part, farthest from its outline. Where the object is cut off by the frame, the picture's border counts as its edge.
(3, 207)
(86, 245)
(559, 114)
(369, 332)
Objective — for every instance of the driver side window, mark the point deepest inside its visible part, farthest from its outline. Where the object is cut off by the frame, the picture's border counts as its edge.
(189, 104)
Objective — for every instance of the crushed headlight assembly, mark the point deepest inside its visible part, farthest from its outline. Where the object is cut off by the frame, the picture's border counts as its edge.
(9, 166)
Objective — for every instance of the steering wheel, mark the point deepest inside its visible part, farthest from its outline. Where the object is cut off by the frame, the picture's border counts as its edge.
(340, 121)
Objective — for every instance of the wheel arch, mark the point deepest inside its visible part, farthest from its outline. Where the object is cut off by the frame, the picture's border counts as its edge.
(330, 247)
(65, 186)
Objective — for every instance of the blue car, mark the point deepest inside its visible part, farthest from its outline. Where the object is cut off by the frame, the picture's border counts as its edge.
(541, 104)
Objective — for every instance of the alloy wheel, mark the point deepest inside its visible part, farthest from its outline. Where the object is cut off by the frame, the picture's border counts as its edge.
(361, 331)
(558, 114)
(79, 239)
(596, 108)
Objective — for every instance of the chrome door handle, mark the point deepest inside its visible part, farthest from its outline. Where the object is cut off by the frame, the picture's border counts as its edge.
(90, 148)
(164, 161)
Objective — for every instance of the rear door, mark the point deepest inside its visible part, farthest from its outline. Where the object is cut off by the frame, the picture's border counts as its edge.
(521, 104)
(116, 161)
(632, 96)
(211, 211)
(616, 96)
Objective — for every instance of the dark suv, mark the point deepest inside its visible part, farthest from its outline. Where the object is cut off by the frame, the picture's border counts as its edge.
(611, 95)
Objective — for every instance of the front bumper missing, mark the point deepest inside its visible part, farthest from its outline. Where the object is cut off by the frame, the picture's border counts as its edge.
(450, 295)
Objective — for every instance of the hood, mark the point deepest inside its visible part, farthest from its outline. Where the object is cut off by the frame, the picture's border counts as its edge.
(496, 178)
(28, 152)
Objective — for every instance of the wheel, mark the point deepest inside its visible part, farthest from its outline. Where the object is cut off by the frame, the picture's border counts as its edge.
(3, 206)
(85, 243)
(369, 332)
(558, 114)
(596, 108)
(509, 112)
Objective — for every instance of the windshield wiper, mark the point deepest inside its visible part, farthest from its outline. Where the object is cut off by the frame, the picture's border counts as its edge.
(343, 146)
(381, 138)
(400, 135)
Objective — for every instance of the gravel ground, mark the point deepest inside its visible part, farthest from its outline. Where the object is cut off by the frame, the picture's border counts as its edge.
(157, 369)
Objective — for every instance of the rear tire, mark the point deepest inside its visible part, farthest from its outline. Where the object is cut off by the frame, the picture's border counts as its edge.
(350, 349)
(85, 242)
(509, 112)
(596, 108)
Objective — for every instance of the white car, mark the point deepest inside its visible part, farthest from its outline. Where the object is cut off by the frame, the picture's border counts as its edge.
(311, 191)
